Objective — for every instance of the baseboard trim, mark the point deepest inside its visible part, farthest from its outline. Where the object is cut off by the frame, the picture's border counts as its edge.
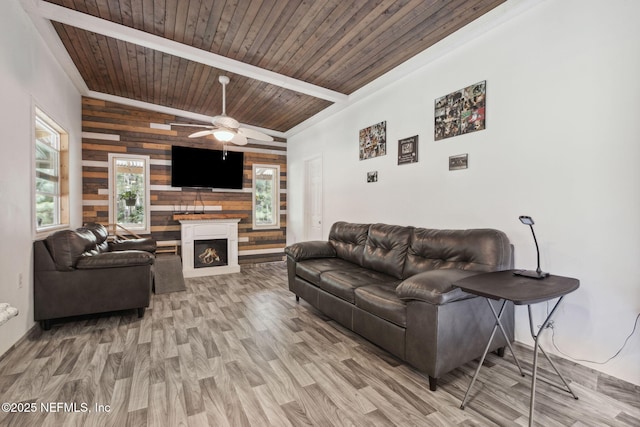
(26, 335)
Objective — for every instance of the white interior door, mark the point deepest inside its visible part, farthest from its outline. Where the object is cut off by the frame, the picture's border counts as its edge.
(313, 199)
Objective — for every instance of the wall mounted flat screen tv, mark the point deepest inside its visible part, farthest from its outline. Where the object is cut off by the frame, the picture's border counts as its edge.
(198, 167)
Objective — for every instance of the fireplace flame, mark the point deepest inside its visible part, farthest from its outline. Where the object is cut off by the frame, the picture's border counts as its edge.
(208, 256)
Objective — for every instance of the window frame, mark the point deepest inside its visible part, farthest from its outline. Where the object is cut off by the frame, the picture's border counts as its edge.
(113, 199)
(61, 194)
(275, 194)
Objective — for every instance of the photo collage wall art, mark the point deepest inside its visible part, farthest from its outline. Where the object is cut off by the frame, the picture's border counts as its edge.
(460, 112)
(373, 141)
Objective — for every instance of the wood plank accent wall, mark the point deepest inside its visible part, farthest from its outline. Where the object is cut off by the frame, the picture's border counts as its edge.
(114, 128)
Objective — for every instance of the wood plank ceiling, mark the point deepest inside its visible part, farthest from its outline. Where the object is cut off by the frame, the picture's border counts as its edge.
(335, 44)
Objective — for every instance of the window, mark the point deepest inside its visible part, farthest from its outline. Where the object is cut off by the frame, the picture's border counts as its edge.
(51, 174)
(129, 192)
(266, 196)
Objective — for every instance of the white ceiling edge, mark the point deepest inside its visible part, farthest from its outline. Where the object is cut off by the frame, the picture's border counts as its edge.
(487, 22)
(51, 39)
(169, 110)
(91, 23)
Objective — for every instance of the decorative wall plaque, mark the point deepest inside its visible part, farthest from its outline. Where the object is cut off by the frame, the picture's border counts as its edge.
(408, 150)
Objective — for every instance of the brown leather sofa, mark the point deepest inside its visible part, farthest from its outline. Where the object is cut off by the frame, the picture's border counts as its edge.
(393, 285)
(79, 272)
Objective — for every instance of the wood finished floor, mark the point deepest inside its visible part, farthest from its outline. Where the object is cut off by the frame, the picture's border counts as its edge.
(237, 350)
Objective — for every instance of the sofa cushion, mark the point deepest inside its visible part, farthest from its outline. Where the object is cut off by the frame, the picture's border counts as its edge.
(349, 240)
(480, 250)
(382, 301)
(311, 269)
(342, 283)
(435, 286)
(66, 246)
(386, 248)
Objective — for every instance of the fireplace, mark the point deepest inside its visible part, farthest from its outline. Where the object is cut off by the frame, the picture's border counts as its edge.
(209, 247)
(209, 253)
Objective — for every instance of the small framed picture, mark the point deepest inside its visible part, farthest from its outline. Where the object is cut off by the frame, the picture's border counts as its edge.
(372, 176)
(459, 161)
(408, 150)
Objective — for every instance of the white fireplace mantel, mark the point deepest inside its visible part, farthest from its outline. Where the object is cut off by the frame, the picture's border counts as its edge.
(204, 229)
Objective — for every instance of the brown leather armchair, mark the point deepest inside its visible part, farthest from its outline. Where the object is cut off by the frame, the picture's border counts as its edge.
(79, 272)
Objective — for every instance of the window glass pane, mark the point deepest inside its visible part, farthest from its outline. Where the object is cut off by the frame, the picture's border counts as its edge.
(47, 159)
(46, 135)
(264, 196)
(130, 181)
(46, 210)
(266, 207)
(47, 166)
(46, 186)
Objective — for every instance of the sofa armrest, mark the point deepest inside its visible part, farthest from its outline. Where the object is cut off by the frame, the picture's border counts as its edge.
(307, 250)
(115, 259)
(143, 244)
(435, 286)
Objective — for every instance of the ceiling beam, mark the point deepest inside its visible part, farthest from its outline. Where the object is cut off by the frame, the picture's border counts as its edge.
(171, 111)
(109, 29)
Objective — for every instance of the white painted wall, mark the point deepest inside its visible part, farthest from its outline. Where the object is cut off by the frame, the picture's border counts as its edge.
(29, 77)
(561, 145)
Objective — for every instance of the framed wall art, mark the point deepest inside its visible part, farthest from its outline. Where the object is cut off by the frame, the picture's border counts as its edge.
(372, 176)
(408, 150)
(373, 141)
(461, 112)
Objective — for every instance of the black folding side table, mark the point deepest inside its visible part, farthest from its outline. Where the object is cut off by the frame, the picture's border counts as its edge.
(505, 286)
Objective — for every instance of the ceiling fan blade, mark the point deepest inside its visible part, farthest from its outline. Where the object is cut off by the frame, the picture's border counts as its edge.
(239, 139)
(201, 133)
(191, 125)
(254, 134)
(225, 122)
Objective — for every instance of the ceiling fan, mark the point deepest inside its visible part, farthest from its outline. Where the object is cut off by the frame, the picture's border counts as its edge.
(227, 129)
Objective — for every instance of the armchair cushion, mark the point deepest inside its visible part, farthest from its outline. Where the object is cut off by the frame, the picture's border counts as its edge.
(101, 233)
(115, 259)
(66, 246)
(143, 244)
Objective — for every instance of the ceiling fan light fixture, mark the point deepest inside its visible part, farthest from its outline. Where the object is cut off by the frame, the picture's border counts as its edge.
(227, 129)
(223, 135)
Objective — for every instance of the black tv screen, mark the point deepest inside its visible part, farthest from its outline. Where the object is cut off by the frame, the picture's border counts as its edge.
(197, 167)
